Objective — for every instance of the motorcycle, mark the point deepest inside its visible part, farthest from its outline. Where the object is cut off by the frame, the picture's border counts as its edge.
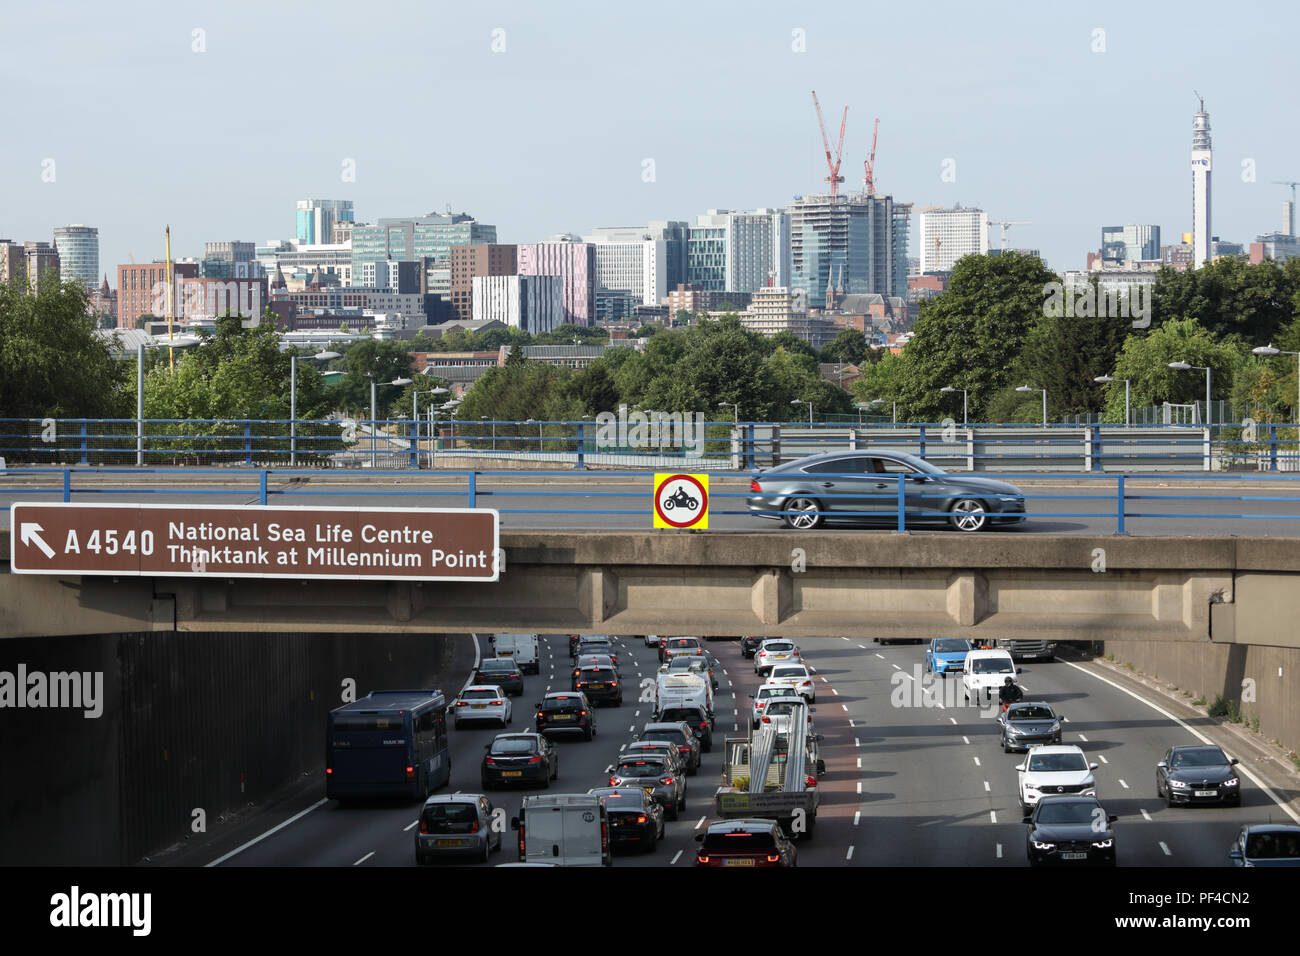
(680, 498)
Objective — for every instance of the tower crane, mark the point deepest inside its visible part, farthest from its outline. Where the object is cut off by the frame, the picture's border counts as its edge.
(1005, 225)
(869, 179)
(832, 164)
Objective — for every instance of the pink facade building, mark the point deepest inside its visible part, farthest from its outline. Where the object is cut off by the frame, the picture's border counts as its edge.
(575, 264)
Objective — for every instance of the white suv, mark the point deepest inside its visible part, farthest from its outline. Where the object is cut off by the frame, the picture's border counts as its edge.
(1048, 771)
(482, 702)
(797, 676)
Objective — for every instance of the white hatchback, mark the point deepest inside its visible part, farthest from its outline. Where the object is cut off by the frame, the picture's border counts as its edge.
(482, 702)
(775, 651)
(1048, 771)
(797, 676)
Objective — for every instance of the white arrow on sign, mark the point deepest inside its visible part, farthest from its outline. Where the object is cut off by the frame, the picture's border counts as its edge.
(31, 533)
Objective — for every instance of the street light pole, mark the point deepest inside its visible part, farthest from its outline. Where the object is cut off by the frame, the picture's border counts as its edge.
(139, 405)
(1026, 388)
(293, 410)
(964, 393)
(1183, 367)
(1106, 379)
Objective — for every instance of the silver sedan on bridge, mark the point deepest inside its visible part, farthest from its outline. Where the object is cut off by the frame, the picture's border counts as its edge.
(862, 487)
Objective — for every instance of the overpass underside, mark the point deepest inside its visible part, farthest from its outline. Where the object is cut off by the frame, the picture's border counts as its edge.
(836, 583)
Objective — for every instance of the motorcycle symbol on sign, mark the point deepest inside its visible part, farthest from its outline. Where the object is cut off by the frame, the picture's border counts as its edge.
(681, 499)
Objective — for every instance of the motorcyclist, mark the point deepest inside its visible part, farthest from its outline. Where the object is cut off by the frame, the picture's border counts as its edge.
(1010, 692)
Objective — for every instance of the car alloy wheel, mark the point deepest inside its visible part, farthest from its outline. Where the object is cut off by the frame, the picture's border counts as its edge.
(968, 514)
(806, 513)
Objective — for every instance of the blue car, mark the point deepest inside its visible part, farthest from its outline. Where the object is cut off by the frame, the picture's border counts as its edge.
(946, 655)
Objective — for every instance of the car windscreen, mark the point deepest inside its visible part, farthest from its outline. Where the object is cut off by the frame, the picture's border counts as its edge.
(596, 674)
(671, 736)
(629, 800)
(678, 642)
(1199, 757)
(781, 707)
(562, 703)
(646, 766)
(498, 665)
(740, 842)
(691, 715)
(1057, 763)
(951, 646)
(479, 695)
(779, 671)
(507, 746)
(387, 722)
(785, 691)
(1067, 813)
(449, 818)
(1030, 713)
(778, 646)
(992, 665)
(921, 465)
(1273, 846)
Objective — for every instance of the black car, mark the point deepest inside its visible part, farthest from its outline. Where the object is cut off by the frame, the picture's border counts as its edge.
(1266, 844)
(697, 718)
(634, 819)
(501, 671)
(746, 843)
(1028, 724)
(1066, 829)
(1197, 774)
(591, 660)
(680, 735)
(520, 758)
(594, 644)
(561, 712)
(862, 487)
(600, 684)
(749, 646)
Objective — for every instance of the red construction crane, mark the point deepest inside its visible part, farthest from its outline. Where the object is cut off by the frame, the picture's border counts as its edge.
(869, 180)
(833, 165)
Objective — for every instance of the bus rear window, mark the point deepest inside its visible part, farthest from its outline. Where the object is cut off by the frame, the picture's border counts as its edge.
(371, 722)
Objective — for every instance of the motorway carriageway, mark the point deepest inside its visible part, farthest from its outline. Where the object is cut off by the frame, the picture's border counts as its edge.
(574, 503)
(904, 785)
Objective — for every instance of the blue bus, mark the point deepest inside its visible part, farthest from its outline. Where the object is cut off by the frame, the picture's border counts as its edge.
(388, 743)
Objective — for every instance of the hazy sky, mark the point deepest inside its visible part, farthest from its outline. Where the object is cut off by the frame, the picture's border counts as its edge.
(552, 133)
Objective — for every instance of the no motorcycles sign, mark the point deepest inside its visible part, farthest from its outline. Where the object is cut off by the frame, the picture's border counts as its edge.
(681, 501)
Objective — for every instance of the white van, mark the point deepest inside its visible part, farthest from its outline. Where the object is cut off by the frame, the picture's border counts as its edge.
(985, 671)
(563, 829)
(522, 647)
(683, 690)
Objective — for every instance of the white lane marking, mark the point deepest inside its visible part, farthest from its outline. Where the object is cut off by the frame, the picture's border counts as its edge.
(857, 817)
(1146, 816)
(965, 739)
(701, 823)
(850, 721)
(843, 638)
(414, 823)
(857, 742)
(609, 769)
(676, 858)
(364, 858)
(835, 692)
(260, 837)
(977, 761)
(636, 713)
(1168, 852)
(849, 855)
(621, 747)
(724, 672)
(859, 763)
(1065, 720)
(863, 646)
(993, 815)
(953, 719)
(999, 851)
(735, 726)
(824, 680)
(881, 656)
(986, 787)
(734, 711)
(1123, 784)
(1102, 758)
(1083, 737)
(859, 786)
(1195, 733)
(846, 707)
(895, 667)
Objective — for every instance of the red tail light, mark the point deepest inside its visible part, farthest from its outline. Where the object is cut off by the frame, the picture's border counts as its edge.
(539, 715)
(666, 781)
(489, 761)
(613, 683)
(703, 724)
(683, 749)
(582, 713)
(604, 837)
(759, 704)
(328, 771)
(773, 858)
(497, 703)
(460, 703)
(754, 485)
(410, 773)
(767, 720)
(534, 760)
(702, 858)
(810, 781)
(473, 827)
(424, 827)
(521, 841)
(614, 781)
(640, 818)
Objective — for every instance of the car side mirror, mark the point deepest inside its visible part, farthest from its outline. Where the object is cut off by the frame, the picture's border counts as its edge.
(1232, 761)
(1027, 818)
(699, 838)
(819, 738)
(1112, 818)
(1092, 766)
(514, 823)
(751, 696)
(1019, 670)
(1234, 854)
(1162, 766)
(487, 746)
(538, 705)
(1023, 766)
(812, 710)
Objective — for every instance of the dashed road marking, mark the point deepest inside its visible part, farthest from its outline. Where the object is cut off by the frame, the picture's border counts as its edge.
(849, 855)
(881, 656)
(999, 851)
(987, 789)
(993, 815)
(1168, 852)
(857, 742)
(1083, 738)
(701, 823)
(846, 707)
(413, 823)
(1146, 816)
(977, 761)
(953, 719)
(859, 763)
(1123, 784)
(859, 786)
(965, 739)
(1102, 758)
(364, 858)
(835, 692)
(676, 858)
(857, 817)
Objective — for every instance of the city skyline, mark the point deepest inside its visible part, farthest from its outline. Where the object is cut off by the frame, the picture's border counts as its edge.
(1045, 119)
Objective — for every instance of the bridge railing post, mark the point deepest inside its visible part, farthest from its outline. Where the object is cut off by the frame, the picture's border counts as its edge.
(248, 446)
(471, 492)
(84, 461)
(1272, 447)
(921, 453)
(582, 458)
(261, 487)
(1119, 504)
(902, 504)
(67, 485)
(415, 444)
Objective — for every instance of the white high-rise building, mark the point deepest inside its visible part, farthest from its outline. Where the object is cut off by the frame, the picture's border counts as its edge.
(1201, 166)
(634, 265)
(78, 248)
(739, 251)
(532, 303)
(949, 234)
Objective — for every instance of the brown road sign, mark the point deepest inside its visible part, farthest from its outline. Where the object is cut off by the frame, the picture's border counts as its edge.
(255, 541)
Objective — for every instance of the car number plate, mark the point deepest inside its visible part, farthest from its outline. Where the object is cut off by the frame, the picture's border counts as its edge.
(478, 706)
(512, 773)
(745, 861)
(448, 842)
(1074, 856)
(1206, 793)
(596, 686)
(561, 717)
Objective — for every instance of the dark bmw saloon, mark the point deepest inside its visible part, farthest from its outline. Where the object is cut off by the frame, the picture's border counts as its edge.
(1197, 774)
(1070, 830)
(862, 487)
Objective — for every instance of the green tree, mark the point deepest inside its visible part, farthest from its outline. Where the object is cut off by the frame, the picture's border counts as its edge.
(1145, 362)
(52, 362)
(1230, 296)
(849, 346)
(595, 390)
(381, 361)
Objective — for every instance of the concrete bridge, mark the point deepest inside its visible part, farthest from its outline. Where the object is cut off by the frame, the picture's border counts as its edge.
(1219, 590)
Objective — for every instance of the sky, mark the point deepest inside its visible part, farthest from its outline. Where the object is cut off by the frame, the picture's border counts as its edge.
(215, 117)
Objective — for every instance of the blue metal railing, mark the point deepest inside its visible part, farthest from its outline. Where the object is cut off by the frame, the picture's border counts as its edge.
(901, 506)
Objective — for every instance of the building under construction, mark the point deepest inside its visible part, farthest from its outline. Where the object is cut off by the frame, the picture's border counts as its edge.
(843, 242)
